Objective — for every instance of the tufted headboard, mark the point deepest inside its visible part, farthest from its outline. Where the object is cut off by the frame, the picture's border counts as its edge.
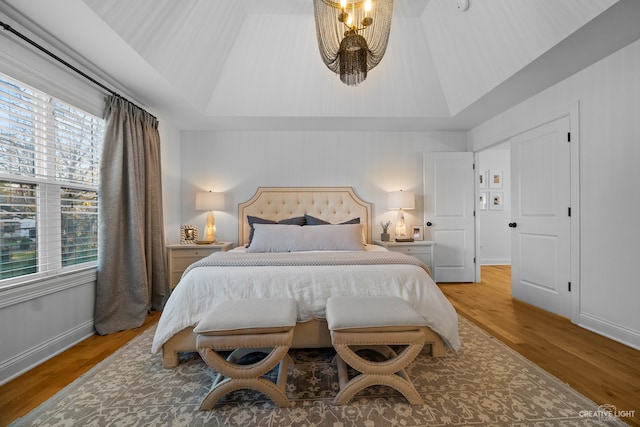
(332, 204)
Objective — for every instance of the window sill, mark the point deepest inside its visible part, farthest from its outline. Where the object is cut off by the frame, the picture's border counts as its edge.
(36, 288)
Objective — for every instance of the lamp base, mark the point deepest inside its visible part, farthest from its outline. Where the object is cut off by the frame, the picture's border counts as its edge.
(401, 228)
(210, 229)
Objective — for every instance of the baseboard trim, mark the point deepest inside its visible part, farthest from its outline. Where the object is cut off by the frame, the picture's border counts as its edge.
(610, 330)
(30, 358)
(495, 261)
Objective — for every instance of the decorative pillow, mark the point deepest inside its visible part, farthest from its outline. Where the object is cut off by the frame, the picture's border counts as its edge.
(293, 238)
(274, 237)
(312, 220)
(298, 220)
(340, 237)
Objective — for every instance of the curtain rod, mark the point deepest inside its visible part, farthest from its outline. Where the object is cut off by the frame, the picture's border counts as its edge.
(7, 27)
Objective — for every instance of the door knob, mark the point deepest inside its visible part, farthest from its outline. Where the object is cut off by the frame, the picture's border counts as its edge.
(513, 224)
(428, 224)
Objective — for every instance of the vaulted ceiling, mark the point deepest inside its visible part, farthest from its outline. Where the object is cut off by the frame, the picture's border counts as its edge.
(254, 64)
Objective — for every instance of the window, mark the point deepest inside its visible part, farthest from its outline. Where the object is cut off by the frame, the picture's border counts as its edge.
(49, 164)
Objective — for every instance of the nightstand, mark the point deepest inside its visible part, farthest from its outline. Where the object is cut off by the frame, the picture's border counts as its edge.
(421, 249)
(179, 257)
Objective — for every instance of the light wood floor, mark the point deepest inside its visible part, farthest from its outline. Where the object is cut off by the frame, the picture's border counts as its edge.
(20, 396)
(603, 370)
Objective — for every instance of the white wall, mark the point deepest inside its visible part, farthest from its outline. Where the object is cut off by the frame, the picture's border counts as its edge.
(608, 94)
(170, 158)
(493, 233)
(236, 163)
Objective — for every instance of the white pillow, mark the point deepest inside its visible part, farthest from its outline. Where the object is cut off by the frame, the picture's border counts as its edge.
(339, 237)
(274, 237)
(293, 238)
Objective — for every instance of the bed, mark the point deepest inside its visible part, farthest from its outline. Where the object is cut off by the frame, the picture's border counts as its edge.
(306, 274)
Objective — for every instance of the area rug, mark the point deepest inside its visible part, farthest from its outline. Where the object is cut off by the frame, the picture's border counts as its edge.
(484, 384)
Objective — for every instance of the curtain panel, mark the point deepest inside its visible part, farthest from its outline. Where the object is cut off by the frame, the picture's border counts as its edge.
(131, 253)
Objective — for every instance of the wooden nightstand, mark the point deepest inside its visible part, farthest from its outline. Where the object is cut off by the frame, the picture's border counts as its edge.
(421, 249)
(179, 257)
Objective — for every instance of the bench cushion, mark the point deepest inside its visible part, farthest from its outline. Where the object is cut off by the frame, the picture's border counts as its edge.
(372, 313)
(249, 316)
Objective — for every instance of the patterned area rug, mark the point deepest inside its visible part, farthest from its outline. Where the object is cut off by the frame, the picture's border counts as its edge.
(484, 384)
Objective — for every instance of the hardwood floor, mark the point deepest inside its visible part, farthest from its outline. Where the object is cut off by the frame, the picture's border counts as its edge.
(19, 396)
(603, 370)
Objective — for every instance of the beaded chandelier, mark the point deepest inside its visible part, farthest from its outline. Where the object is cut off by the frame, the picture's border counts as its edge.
(352, 35)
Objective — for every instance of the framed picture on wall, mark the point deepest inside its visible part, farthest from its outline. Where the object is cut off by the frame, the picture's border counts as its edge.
(482, 201)
(496, 201)
(495, 178)
(482, 178)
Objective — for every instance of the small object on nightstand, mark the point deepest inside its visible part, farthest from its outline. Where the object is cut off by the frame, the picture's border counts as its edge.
(385, 237)
(188, 234)
(410, 239)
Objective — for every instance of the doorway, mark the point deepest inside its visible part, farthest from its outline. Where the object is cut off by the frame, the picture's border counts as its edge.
(494, 239)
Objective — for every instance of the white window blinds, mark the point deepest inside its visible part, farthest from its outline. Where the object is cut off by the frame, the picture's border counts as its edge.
(49, 164)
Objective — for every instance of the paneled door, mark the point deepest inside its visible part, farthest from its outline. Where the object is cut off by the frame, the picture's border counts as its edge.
(449, 214)
(541, 223)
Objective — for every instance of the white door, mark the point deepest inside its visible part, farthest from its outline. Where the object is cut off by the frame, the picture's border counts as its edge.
(448, 213)
(541, 227)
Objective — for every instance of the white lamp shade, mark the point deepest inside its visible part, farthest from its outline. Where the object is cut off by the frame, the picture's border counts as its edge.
(209, 201)
(401, 200)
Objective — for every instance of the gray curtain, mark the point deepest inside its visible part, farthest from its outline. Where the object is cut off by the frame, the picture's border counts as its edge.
(131, 253)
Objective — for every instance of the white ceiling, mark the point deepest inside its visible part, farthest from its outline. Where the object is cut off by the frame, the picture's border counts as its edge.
(254, 64)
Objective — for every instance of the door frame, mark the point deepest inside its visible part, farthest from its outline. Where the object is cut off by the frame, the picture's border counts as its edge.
(476, 213)
(573, 111)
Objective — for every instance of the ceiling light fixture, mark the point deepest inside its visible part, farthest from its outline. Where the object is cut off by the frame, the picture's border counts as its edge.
(352, 35)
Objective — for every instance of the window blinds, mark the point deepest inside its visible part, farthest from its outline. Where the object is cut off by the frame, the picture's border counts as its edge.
(49, 169)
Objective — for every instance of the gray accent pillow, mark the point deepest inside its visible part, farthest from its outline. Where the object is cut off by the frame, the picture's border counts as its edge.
(312, 220)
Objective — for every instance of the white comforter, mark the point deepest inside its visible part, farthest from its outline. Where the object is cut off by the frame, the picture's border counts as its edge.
(201, 288)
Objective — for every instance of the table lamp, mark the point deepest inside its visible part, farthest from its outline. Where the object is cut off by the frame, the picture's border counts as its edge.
(401, 200)
(209, 201)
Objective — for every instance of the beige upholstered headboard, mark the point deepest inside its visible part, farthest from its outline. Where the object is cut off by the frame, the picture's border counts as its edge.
(332, 204)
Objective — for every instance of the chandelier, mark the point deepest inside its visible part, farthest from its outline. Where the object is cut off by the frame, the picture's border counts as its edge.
(352, 35)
